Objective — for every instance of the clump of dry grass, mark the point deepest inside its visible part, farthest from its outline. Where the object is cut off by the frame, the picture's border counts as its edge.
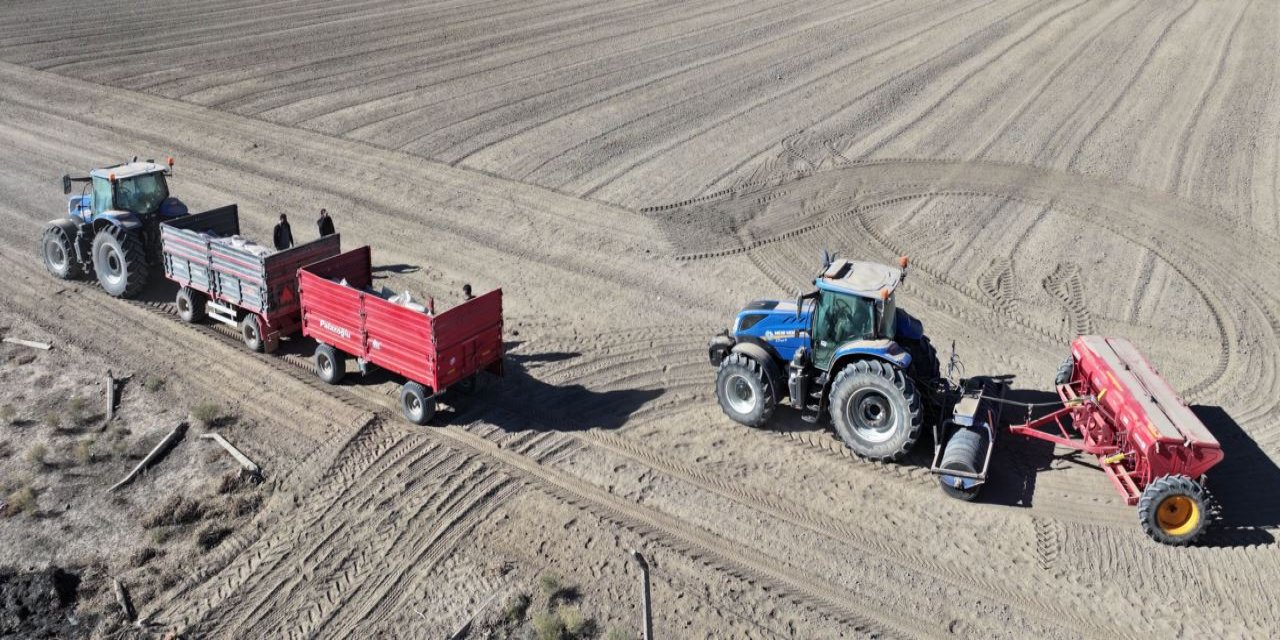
(83, 451)
(22, 500)
(177, 510)
(211, 536)
(206, 413)
(37, 453)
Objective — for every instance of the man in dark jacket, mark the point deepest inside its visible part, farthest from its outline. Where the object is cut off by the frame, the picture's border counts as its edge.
(325, 223)
(283, 235)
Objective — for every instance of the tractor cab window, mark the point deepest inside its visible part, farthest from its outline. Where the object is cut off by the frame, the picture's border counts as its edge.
(841, 317)
(141, 194)
(101, 195)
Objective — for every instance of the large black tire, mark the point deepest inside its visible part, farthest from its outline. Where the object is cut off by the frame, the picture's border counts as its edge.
(966, 451)
(875, 410)
(1065, 371)
(251, 332)
(416, 403)
(1176, 510)
(745, 390)
(190, 305)
(120, 261)
(925, 372)
(331, 364)
(59, 253)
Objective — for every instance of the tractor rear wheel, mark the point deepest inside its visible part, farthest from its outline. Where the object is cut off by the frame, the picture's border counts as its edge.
(59, 254)
(190, 305)
(331, 364)
(925, 371)
(416, 403)
(745, 390)
(120, 262)
(1175, 510)
(876, 410)
(965, 452)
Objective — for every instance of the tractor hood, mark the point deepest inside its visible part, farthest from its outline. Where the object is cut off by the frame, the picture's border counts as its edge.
(776, 324)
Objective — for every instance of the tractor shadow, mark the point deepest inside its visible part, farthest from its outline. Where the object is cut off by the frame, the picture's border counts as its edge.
(522, 401)
(1244, 483)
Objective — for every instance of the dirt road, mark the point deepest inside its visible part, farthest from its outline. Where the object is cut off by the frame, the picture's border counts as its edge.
(630, 173)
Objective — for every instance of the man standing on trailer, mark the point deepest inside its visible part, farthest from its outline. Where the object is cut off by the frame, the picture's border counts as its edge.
(283, 235)
(325, 223)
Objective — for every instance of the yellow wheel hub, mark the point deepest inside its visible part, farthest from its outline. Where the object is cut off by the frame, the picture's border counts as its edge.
(1178, 515)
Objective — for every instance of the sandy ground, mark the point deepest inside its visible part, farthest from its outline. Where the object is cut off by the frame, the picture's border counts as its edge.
(630, 174)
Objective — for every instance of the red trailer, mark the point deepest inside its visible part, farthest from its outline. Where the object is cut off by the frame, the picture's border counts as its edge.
(1154, 449)
(431, 351)
(235, 281)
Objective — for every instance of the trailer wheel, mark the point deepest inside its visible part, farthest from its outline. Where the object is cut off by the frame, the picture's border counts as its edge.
(1175, 510)
(416, 403)
(58, 253)
(965, 452)
(744, 390)
(190, 305)
(876, 410)
(120, 261)
(331, 364)
(251, 331)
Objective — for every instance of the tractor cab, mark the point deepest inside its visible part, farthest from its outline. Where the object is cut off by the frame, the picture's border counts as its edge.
(134, 189)
(854, 303)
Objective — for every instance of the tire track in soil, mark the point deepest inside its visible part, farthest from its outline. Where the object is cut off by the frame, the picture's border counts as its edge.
(1065, 285)
(838, 531)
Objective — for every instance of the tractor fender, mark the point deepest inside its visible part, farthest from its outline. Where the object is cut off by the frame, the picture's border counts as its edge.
(122, 219)
(767, 359)
(885, 350)
(67, 225)
(719, 347)
(907, 327)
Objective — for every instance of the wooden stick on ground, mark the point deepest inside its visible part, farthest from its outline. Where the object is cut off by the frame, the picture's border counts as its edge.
(244, 460)
(28, 343)
(159, 450)
(111, 396)
(122, 596)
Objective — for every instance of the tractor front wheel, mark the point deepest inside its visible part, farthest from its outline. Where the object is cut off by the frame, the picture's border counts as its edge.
(120, 262)
(416, 403)
(1175, 510)
(745, 392)
(190, 305)
(59, 254)
(876, 410)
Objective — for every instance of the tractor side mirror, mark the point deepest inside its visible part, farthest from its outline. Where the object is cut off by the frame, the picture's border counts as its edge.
(66, 184)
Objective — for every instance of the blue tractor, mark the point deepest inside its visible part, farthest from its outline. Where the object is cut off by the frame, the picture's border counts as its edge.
(844, 349)
(112, 227)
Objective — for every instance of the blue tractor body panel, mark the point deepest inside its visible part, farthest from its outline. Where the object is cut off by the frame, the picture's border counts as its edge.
(907, 327)
(886, 350)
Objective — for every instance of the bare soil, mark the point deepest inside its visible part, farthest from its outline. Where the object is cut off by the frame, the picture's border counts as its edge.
(630, 174)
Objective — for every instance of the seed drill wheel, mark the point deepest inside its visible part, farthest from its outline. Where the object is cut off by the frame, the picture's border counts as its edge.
(744, 390)
(120, 262)
(876, 410)
(58, 253)
(1175, 510)
(417, 404)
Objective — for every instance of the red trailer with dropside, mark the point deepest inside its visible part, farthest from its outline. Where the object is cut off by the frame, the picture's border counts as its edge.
(342, 313)
(235, 281)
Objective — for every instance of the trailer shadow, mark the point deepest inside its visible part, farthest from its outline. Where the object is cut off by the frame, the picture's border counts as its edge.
(1017, 462)
(380, 271)
(521, 401)
(1246, 483)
